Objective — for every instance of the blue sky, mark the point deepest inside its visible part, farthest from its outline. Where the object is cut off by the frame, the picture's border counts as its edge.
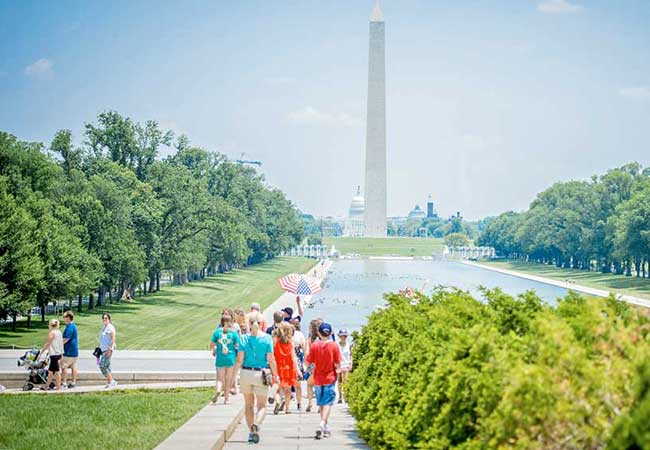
(488, 102)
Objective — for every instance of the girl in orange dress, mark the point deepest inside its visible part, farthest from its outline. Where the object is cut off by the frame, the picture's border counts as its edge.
(285, 358)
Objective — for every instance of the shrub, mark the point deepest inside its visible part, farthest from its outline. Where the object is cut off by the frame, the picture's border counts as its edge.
(450, 371)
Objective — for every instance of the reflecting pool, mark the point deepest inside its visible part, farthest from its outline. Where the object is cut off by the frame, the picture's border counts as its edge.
(355, 288)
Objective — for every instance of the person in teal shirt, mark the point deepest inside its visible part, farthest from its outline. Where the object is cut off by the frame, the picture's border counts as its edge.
(224, 345)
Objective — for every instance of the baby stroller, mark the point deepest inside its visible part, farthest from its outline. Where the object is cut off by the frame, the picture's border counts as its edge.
(37, 368)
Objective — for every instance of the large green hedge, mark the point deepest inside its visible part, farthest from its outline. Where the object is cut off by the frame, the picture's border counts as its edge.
(449, 371)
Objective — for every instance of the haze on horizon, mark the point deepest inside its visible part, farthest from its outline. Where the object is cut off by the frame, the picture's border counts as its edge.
(487, 102)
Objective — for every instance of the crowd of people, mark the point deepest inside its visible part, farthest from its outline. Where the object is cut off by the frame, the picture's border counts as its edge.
(63, 351)
(276, 363)
(271, 364)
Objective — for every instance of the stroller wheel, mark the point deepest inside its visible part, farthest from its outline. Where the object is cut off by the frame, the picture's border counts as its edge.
(28, 387)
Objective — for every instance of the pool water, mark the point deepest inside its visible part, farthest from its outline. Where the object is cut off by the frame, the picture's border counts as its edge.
(354, 288)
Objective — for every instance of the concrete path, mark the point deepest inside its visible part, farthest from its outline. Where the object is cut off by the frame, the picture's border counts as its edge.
(297, 431)
(119, 387)
(563, 284)
(131, 361)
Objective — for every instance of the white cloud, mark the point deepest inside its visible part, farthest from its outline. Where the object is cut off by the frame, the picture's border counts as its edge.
(39, 68)
(310, 115)
(558, 7)
(635, 92)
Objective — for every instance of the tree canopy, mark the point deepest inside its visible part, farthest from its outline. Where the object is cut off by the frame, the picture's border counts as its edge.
(112, 214)
(601, 224)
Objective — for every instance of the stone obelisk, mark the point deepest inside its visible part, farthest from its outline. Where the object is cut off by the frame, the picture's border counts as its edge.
(375, 214)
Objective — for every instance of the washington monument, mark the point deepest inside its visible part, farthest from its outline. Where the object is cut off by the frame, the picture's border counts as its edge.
(375, 214)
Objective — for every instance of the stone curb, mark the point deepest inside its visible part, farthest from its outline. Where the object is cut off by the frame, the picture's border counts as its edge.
(207, 429)
(16, 379)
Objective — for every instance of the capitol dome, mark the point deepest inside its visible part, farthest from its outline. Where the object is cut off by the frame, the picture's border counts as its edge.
(416, 213)
(358, 205)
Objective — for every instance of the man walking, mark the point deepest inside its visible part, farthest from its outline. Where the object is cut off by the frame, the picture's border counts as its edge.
(324, 354)
(70, 349)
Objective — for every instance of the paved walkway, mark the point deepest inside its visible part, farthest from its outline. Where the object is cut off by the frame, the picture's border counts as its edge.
(131, 361)
(297, 430)
(563, 284)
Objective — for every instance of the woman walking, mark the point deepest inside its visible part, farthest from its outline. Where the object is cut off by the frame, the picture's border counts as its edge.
(224, 345)
(346, 361)
(300, 347)
(258, 371)
(107, 346)
(285, 358)
(313, 337)
(54, 346)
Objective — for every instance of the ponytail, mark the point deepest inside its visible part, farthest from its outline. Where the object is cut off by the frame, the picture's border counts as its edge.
(254, 318)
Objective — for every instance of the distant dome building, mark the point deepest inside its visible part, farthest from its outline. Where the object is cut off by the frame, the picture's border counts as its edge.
(354, 222)
(416, 213)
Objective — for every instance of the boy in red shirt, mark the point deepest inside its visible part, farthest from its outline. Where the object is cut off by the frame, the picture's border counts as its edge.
(326, 357)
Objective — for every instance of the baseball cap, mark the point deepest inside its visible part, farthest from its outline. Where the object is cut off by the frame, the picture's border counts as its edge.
(343, 332)
(325, 328)
(288, 310)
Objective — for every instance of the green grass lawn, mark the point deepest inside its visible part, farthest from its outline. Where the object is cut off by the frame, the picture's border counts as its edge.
(176, 318)
(620, 284)
(393, 246)
(120, 420)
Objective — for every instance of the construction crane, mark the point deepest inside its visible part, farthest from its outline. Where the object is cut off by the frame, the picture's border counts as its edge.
(253, 162)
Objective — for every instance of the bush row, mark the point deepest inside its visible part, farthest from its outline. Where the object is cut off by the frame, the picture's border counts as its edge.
(450, 371)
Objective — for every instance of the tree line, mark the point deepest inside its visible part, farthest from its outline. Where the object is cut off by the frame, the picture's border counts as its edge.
(112, 214)
(601, 224)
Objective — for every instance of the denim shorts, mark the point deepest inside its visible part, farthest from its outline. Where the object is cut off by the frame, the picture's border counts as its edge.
(325, 395)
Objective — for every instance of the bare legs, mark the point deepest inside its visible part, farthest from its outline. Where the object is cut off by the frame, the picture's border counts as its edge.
(73, 368)
(228, 373)
(343, 378)
(255, 409)
(287, 398)
(310, 392)
(57, 377)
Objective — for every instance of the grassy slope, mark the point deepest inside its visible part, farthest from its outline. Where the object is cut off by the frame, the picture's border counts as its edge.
(107, 420)
(394, 246)
(176, 318)
(621, 284)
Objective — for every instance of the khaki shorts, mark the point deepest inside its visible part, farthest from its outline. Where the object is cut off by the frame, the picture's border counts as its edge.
(250, 382)
(68, 361)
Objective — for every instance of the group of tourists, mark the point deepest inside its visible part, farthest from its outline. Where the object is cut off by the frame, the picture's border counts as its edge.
(63, 351)
(273, 363)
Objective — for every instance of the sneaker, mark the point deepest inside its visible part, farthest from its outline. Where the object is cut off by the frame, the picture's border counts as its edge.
(319, 432)
(2, 388)
(276, 408)
(326, 433)
(340, 400)
(71, 385)
(112, 384)
(250, 438)
(308, 407)
(299, 407)
(255, 434)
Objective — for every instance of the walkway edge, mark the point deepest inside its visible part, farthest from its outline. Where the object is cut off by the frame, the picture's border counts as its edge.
(571, 287)
(207, 429)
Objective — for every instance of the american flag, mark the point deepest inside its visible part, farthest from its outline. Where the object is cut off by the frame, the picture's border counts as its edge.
(300, 284)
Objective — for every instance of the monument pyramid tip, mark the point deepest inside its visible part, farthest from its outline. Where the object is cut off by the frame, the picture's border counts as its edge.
(376, 13)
